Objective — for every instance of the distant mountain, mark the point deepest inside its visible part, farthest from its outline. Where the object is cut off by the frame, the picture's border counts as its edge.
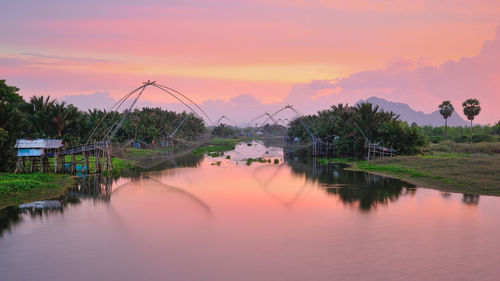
(409, 115)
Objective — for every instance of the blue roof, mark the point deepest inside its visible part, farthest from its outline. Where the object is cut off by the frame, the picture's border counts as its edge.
(30, 152)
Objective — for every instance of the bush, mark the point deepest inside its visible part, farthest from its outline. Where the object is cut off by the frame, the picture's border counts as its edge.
(482, 138)
(435, 139)
(452, 147)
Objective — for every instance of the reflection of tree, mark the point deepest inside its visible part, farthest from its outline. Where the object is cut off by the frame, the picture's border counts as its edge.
(445, 195)
(96, 187)
(12, 216)
(8, 218)
(470, 199)
(184, 160)
(354, 187)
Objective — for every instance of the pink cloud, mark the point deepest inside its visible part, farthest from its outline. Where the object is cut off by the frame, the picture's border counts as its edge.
(422, 87)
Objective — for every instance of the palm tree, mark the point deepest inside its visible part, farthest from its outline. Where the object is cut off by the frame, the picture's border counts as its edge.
(41, 115)
(446, 109)
(60, 116)
(369, 118)
(471, 110)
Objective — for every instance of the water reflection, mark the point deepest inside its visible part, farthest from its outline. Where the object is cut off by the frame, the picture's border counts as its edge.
(159, 163)
(265, 182)
(293, 220)
(11, 216)
(470, 199)
(186, 194)
(352, 187)
(98, 188)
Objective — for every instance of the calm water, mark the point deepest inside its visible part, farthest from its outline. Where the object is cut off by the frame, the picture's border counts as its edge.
(291, 221)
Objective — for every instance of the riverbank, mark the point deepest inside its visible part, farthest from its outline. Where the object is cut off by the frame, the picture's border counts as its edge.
(477, 174)
(16, 189)
(218, 145)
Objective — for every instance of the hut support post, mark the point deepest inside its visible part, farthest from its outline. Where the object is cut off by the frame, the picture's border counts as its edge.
(73, 164)
(87, 162)
(55, 163)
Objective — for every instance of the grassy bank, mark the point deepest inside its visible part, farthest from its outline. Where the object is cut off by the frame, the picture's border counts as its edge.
(119, 165)
(217, 146)
(453, 172)
(142, 152)
(16, 189)
(490, 148)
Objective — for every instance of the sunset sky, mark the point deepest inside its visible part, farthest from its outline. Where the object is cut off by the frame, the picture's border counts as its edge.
(231, 56)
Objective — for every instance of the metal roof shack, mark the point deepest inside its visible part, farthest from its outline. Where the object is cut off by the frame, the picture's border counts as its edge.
(37, 147)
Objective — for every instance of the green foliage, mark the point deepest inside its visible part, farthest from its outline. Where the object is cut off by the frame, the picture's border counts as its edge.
(223, 130)
(43, 117)
(260, 160)
(213, 149)
(393, 169)
(471, 108)
(356, 126)
(446, 109)
(12, 123)
(453, 147)
(18, 188)
(461, 134)
(217, 145)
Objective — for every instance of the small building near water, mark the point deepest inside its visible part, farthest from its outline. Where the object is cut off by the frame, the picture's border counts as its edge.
(35, 153)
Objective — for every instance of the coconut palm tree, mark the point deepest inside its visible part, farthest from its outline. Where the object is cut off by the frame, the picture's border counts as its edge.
(446, 109)
(471, 110)
(369, 118)
(60, 116)
(41, 110)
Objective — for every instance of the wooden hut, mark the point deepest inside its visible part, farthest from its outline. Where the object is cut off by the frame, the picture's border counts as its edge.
(33, 155)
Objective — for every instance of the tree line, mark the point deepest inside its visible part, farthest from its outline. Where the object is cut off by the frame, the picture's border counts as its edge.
(352, 128)
(43, 117)
(471, 108)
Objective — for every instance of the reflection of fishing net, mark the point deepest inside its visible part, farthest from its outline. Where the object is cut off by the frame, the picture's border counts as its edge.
(268, 179)
(147, 156)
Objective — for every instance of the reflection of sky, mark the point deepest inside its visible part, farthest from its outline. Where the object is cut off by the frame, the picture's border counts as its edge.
(158, 226)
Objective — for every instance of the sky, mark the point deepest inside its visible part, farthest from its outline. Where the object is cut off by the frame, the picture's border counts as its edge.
(240, 58)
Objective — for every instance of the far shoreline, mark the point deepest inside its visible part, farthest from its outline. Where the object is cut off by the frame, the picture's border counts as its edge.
(447, 173)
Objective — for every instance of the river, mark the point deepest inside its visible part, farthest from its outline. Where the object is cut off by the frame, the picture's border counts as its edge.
(267, 221)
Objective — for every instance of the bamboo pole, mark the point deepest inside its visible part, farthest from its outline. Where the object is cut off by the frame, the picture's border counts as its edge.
(55, 162)
(87, 162)
(73, 164)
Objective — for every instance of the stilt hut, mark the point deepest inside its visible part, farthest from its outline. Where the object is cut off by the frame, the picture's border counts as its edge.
(33, 155)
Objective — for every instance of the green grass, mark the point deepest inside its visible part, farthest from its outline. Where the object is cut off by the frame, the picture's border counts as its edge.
(325, 161)
(453, 172)
(217, 146)
(119, 165)
(400, 170)
(260, 160)
(141, 152)
(466, 148)
(16, 189)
